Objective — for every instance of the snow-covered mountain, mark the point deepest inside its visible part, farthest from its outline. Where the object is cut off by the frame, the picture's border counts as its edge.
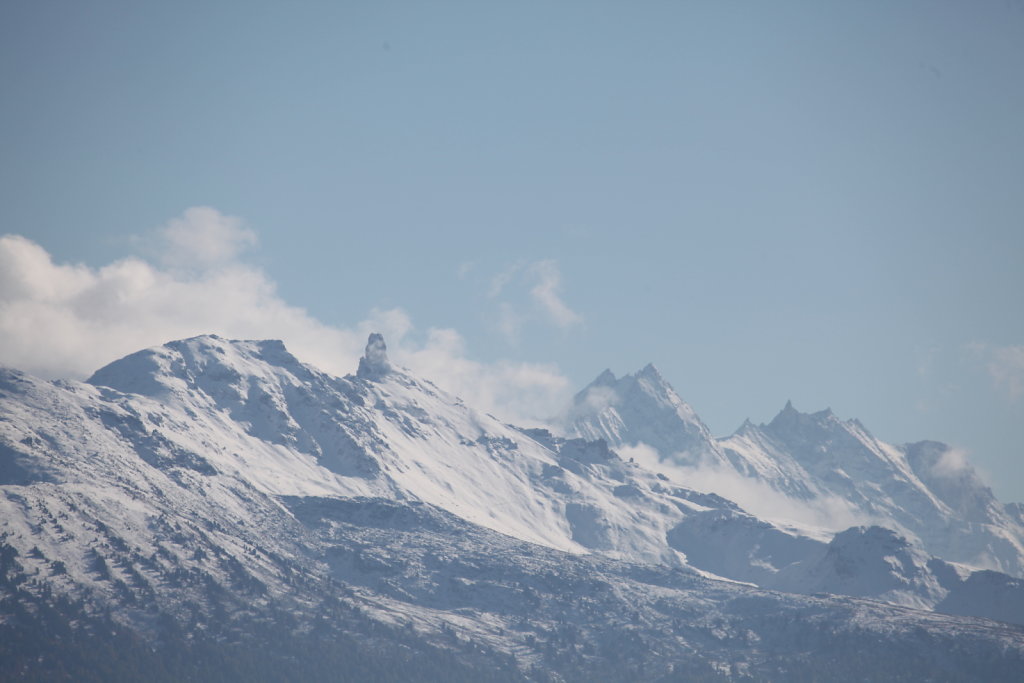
(643, 408)
(927, 492)
(222, 492)
(287, 429)
(214, 415)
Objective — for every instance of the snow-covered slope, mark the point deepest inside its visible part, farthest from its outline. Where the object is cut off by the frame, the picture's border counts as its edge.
(288, 429)
(252, 411)
(223, 482)
(642, 408)
(926, 491)
(873, 562)
(220, 417)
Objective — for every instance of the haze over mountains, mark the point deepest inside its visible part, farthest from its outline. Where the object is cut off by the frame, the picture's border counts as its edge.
(216, 496)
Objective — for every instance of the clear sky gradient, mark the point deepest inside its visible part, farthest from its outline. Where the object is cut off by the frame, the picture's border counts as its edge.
(816, 201)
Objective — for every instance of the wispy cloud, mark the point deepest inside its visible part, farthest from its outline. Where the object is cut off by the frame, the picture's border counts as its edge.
(203, 236)
(952, 463)
(1005, 366)
(541, 283)
(526, 393)
(510, 321)
(501, 280)
(67, 320)
(760, 499)
(547, 294)
(926, 359)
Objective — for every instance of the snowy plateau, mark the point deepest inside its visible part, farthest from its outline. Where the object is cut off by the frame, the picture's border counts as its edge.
(218, 510)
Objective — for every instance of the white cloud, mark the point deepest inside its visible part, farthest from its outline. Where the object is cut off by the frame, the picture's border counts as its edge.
(500, 281)
(952, 463)
(646, 456)
(510, 322)
(547, 294)
(598, 398)
(757, 498)
(541, 282)
(67, 320)
(1006, 366)
(517, 392)
(203, 236)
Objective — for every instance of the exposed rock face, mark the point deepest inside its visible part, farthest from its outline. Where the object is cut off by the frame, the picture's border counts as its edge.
(374, 364)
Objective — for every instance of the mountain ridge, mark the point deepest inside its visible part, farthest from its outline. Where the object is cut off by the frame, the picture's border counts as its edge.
(224, 482)
(811, 457)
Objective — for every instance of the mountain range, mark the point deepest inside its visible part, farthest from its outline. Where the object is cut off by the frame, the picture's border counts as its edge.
(217, 509)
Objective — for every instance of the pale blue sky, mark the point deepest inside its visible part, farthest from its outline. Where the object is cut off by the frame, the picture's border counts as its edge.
(816, 201)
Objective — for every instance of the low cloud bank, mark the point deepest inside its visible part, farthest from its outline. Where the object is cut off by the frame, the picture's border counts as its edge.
(759, 499)
(67, 320)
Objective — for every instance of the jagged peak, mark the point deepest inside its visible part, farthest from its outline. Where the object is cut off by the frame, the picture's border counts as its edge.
(608, 379)
(651, 372)
(746, 428)
(789, 414)
(374, 364)
(650, 381)
(786, 415)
